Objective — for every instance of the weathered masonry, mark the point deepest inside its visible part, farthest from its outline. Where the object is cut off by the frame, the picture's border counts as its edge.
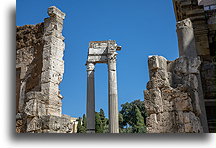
(102, 52)
(181, 94)
(39, 71)
(172, 98)
(203, 18)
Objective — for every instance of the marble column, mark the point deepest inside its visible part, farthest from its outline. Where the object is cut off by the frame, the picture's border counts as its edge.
(90, 110)
(112, 94)
(186, 40)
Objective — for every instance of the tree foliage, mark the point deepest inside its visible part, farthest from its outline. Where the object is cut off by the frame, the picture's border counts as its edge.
(80, 127)
(131, 119)
(133, 115)
(98, 123)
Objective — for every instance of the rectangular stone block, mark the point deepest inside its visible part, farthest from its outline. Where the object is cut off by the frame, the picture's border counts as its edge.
(51, 51)
(54, 110)
(56, 42)
(49, 89)
(51, 76)
(35, 107)
(31, 108)
(193, 65)
(180, 66)
(98, 58)
(183, 104)
(53, 64)
(153, 101)
(33, 124)
(155, 62)
(56, 124)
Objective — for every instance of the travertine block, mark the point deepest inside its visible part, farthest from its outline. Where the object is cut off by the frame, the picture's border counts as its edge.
(171, 100)
(53, 64)
(55, 12)
(51, 51)
(155, 62)
(54, 42)
(49, 88)
(33, 124)
(51, 76)
(193, 65)
(183, 104)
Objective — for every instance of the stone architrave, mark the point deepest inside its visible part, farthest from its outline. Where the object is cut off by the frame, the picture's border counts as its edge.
(102, 52)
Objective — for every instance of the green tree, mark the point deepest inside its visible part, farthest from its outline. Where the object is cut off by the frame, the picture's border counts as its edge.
(126, 114)
(121, 125)
(141, 106)
(84, 123)
(98, 124)
(80, 128)
(106, 127)
(133, 115)
(103, 120)
(139, 126)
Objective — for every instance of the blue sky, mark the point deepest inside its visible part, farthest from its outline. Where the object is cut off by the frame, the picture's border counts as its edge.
(141, 27)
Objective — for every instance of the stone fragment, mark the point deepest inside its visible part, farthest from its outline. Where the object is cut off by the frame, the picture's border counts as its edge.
(171, 98)
(155, 62)
(186, 39)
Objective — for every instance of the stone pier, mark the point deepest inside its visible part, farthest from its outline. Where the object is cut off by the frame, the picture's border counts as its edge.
(102, 52)
(39, 71)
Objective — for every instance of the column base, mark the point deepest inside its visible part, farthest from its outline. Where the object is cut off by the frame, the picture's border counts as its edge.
(90, 131)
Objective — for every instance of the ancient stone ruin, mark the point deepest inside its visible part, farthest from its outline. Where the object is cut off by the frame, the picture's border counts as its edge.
(39, 71)
(202, 15)
(102, 52)
(181, 94)
(172, 98)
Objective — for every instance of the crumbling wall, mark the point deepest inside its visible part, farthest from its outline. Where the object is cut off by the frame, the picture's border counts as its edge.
(39, 71)
(202, 15)
(172, 96)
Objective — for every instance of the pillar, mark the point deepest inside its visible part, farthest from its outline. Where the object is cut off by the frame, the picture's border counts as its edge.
(187, 48)
(53, 63)
(90, 99)
(186, 41)
(112, 94)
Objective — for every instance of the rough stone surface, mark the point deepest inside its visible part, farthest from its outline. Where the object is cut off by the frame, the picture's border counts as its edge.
(39, 71)
(202, 15)
(170, 106)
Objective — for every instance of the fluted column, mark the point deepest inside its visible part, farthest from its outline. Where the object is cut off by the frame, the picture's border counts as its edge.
(112, 94)
(90, 99)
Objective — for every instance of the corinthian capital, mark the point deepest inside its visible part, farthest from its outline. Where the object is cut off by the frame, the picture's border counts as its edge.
(90, 66)
(112, 57)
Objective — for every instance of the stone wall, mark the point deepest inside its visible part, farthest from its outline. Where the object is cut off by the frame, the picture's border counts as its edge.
(172, 96)
(202, 15)
(39, 71)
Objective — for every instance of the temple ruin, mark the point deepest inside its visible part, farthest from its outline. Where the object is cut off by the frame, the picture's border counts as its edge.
(39, 71)
(180, 95)
(102, 52)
